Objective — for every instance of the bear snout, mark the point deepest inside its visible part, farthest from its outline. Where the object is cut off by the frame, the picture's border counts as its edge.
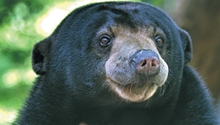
(145, 62)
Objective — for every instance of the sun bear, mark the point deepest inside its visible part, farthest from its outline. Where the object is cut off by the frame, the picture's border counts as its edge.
(116, 63)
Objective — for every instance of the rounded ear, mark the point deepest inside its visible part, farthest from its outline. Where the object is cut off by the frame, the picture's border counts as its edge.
(40, 56)
(187, 45)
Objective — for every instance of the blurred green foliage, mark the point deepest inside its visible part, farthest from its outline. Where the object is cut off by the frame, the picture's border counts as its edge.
(18, 34)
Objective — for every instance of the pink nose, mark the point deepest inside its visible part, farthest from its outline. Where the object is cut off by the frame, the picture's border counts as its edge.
(145, 62)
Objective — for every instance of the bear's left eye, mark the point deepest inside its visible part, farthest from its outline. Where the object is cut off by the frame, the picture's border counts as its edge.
(105, 40)
(159, 41)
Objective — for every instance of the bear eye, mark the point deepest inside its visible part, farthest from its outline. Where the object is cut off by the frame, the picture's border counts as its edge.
(159, 41)
(105, 40)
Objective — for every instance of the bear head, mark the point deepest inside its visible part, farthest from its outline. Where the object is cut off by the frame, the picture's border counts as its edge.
(112, 52)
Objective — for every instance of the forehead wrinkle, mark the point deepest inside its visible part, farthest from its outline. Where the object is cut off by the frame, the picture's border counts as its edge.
(141, 34)
(138, 30)
(127, 43)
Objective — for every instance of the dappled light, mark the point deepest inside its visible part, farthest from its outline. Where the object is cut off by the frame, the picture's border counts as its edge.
(7, 116)
(48, 22)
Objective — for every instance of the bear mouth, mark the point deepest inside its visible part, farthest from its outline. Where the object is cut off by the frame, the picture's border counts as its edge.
(130, 86)
(133, 92)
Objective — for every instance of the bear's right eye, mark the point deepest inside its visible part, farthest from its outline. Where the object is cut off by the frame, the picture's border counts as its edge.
(159, 41)
(105, 40)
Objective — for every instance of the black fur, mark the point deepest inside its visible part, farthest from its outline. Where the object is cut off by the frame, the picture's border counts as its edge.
(70, 64)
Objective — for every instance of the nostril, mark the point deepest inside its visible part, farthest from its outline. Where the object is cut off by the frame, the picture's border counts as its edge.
(143, 63)
(154, 63)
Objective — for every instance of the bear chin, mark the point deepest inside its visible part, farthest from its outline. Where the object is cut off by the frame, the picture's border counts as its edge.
(132, 92)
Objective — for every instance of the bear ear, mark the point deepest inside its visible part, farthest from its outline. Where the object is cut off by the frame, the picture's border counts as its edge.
(40, 56)
(187, 45)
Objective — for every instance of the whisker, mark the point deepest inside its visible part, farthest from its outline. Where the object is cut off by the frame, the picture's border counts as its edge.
(147, 104)
(162, 90)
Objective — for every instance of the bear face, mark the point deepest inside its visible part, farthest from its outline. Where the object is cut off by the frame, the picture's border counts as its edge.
(135, 69)
(125, 48)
